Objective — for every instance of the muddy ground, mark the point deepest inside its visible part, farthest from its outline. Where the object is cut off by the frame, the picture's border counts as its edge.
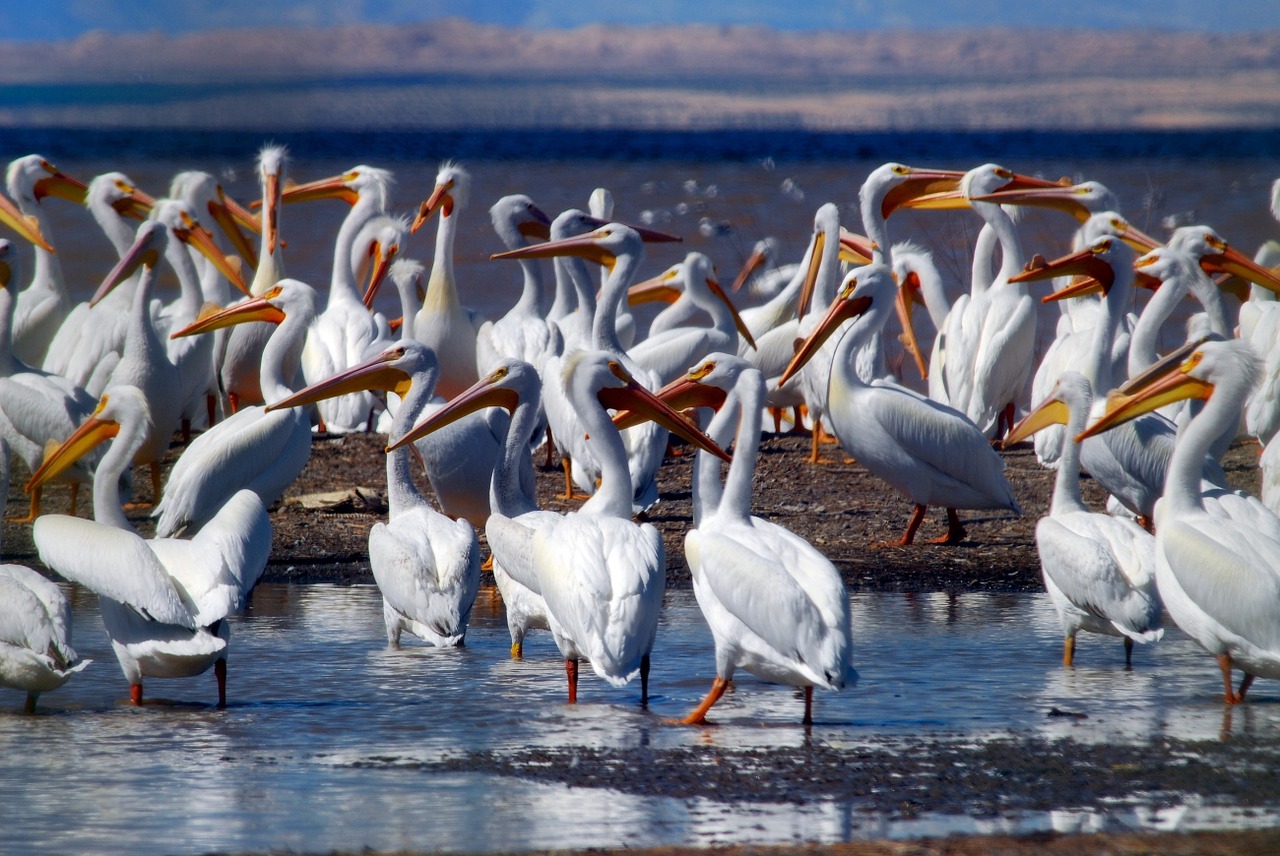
(844, 511)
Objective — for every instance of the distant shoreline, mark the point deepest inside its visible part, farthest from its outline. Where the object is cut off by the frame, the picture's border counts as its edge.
(561, 144)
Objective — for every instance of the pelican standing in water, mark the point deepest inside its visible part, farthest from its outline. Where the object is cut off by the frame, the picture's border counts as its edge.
(932, 453)
(35, 634)
(1217, 562)
(164, 601)
(1099, 569)
(776, 606)
(515, 386)
(427, 566)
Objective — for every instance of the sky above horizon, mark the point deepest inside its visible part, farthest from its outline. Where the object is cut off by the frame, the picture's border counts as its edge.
(22, 20)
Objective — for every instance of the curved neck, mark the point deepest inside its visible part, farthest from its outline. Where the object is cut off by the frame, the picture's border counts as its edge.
(190, 297)
(142, 342)
(1182, 482)
(1011, 256)
(1210, 297)
(47, 271)
(342, 282)
(736, 500)
(1142, 342)
(508, 492)
(982, 270)
(442, 288)
(1066, 486)
(409, 307)
(402, 494)
(8, 362)
(604, 327)
(876, 227)
(106, 478)
(1111, 311)
(613, 496)
(533, 298)
(282, 355)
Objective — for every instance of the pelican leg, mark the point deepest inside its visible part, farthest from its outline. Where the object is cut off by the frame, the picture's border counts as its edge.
(155, 482)
(35, 507)
(550, 448)
(517, 650)
(917, 515)
(815, 449)
(30, 706)
(1069, 650)
(1224, 663)
(211, 409)
(567, 464)
(644, 680)
(955, 531)
(571, 671)
(233, 402)
(808, 705)
(135, 694)
(1128, 653)
(220, 673)
(699, 714)
(1245, 683)
(487, 565)
(186, 430)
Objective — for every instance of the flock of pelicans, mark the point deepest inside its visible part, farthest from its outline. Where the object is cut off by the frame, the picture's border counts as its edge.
(472, 400)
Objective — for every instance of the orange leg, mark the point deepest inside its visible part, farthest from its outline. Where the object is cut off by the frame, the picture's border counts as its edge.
(1068, 650)
(568, 477)
(955, 532)
(699, 714)
(220, 672)
(35, 507)
(135, 694)
(571, 671)
(917, 515)
(233, 402)
(1224, 663)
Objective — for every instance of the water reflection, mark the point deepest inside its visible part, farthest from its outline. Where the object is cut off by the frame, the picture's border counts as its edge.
(327, 732)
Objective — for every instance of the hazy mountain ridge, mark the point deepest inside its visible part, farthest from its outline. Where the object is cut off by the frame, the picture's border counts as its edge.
(687, 76)
(461, 47)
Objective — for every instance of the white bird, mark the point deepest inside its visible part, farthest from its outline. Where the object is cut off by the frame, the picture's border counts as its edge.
(667, 352)
(1217, 562)
(621, 249)
(514, 386)
(1130, 463)
(35, 634)
(251, 448)
(346, 332)
(36, 407)
(238, 354)
(932, 453)
(426, 565)
(443, 324)
(776, 606)
(91, 333)
(524, 333)
(164, 601)
(1099, 569)
(43, 305)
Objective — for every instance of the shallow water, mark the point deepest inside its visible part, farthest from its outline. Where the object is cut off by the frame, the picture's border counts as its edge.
(329, 735)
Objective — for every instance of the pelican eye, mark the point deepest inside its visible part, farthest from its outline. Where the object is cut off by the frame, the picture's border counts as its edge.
(901, 170)
(273, 293)
(703, 370)
(1192, 361)
(1001, 172)
(351, 176)
(123, 187)
(102, 404)
(498, 374)
(1103, 245)
(1215, 241)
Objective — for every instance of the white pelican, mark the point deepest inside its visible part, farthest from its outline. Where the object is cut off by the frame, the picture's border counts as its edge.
(1099, 569)
(928, 451)
(776, 606)
(524, 333)
(1130, 463)
(36, 407)
(443, 323)
(43, 305)
(238, 354)
(666, 353)
(252, 449)
(621, 249)
(164, 601)
(35, 634)
(1217, 563)
(515, 386)
(426, 565)
(601, 574)
(91, 333)
(345, 332)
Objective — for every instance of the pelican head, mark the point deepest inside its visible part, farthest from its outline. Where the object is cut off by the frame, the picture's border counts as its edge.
(452, 190)
(393, 370)
(505, 386)
(103, 424)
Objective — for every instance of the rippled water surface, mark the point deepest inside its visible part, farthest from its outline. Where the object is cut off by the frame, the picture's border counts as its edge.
(323, 743)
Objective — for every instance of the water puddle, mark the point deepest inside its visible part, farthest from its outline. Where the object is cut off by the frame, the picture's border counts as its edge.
(331, 741)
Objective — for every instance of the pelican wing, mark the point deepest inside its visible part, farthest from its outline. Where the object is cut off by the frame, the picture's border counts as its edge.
(112, 562)
(54, 606)
(1105, 566)
(428, 568)
(1231, 572)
